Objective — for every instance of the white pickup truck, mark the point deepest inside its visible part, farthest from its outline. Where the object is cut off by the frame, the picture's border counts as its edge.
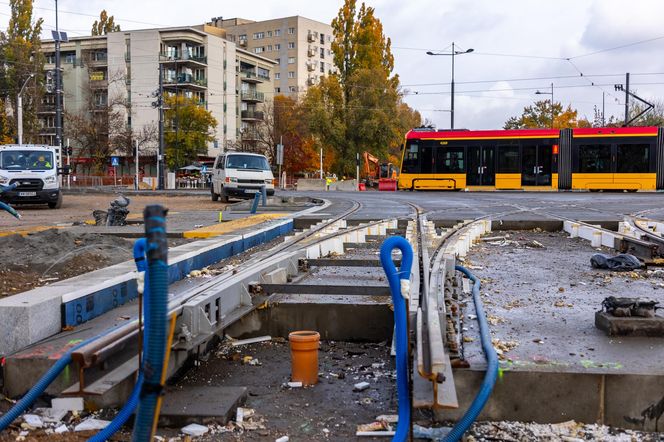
(34, 169)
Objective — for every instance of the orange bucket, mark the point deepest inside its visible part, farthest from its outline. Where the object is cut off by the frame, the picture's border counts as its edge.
(304, 356)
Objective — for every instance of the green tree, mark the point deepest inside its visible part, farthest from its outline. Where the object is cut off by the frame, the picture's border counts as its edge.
(538, 116)
(190, 127)
(105, 24)
(361, 107)
(19, 47)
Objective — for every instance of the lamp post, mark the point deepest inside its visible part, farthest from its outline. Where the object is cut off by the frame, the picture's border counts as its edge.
(19, 110)
(548, 93)
(453, 53)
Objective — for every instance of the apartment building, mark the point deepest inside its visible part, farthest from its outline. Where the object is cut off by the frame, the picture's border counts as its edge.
(197, 62)
(301, 47)
(254, 87)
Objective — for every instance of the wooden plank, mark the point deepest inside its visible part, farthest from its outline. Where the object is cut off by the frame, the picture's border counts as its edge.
(316, 289)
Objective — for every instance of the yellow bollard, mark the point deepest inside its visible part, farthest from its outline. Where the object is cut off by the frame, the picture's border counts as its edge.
(221, 215)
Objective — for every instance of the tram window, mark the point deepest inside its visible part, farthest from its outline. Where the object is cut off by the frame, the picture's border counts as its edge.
(633, 158)
(450, 160)
(411, 159)
(595, 158)
(508, 159)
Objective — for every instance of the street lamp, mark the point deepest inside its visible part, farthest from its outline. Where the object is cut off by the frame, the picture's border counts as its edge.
(453, 53)
(19, 110)
(548, 93)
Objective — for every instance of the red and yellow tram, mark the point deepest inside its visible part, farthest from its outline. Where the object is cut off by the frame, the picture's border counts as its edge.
(628, 158)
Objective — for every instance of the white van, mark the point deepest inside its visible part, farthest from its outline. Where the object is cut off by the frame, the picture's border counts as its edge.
(34, 170)
(240, 175)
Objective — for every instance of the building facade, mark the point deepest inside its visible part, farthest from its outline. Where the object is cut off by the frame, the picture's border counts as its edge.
(301, 47)
(123, 67)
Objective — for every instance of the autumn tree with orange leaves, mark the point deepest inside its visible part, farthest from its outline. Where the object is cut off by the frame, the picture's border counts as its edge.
(539, 116)
(361, 107)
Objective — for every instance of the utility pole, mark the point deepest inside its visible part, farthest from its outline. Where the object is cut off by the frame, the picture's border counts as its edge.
(452, 91)
(626, 98)
(603, 119)
(58, 85)
(160, 157)
(19, 111)
(136, 144)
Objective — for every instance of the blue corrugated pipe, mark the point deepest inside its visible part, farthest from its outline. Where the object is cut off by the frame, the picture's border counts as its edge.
(395, 279)
(123, 415)
(492, 365)
(157, 253)
(41, 385)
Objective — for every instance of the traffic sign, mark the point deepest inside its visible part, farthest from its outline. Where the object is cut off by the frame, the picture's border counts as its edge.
(204, 169)
(280, 154)
(115, 161)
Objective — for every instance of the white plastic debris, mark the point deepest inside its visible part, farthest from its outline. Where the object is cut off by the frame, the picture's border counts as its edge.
(61, 429)
(282, 439)
(51, 415)
(92, 424)
(361, 386)
(33, 420)
(194, 430)
(67, 403)
(295, 384)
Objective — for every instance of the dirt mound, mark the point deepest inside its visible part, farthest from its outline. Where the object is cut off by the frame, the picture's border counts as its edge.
(55, 254)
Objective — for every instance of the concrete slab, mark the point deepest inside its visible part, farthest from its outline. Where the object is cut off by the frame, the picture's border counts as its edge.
(230, 226)
(311, 184)
(201, 405)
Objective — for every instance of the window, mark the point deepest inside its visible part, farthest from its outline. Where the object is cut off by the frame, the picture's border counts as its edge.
(277, 90)
(633, 158)
(247, 162)
(277, 47)
(291, 60)
(595, 158)
(258, 50)
(70, 57)
(292, 88)
(291, 31)
(329, 38)
(269, 33)
(269, 48)
(263, 73)
(242, 37)
(329, 52)
(220, 162)
(322, 39)
(291, 74)
(259, 35)
(322, 52)
(508, 159)
(49, 58)
(277, 32)
(411, 159)
(322, 67)
(449, 159)
(291, 45)
(277, 76)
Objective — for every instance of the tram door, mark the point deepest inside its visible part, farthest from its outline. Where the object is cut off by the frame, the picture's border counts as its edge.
(536, 166)
(481, 166)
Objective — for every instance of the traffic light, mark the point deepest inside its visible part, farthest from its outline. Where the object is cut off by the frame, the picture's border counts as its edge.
(70, 151)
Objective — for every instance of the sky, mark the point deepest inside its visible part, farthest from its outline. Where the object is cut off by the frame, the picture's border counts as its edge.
(583, 47)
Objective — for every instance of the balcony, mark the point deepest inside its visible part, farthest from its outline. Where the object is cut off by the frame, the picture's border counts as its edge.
(242, 42)
(311, 66)
(182, 59)
(251, 115)
(253, 96)
(98, 60)
(99, 84)
(250, 134)
(312, 37)
(311, 52)
(250, 77)
(46, 109)
(186, 80)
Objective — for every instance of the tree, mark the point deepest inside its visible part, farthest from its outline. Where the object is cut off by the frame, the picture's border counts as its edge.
(20, 48)
(538, 116)
(105, 24)
(98, 122)
(190, 127)
(361, 107)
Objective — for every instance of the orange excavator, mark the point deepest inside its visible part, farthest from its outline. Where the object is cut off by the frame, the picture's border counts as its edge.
(382, 175)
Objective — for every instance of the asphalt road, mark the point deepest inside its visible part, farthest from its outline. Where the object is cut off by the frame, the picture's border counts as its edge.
(584, 206)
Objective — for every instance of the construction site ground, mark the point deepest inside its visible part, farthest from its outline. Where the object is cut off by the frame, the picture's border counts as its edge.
(50, 245)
